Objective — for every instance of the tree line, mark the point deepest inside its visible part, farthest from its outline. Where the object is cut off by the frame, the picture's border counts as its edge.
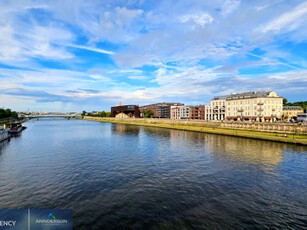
(99, 114)
(302, 104)
(7, 113)
(146, 114)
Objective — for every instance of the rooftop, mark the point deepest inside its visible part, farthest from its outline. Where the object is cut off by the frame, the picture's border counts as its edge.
(292, 108)
(224, 97)
(252, 94)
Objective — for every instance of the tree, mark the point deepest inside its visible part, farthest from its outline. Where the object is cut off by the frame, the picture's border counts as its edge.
(285, 101)
(83, 113)
(14, 114)
(2, 113)
(8, 113)
(102, 114)
(148, 113)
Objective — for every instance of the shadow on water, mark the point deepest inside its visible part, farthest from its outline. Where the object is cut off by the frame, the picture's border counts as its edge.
(3, 144)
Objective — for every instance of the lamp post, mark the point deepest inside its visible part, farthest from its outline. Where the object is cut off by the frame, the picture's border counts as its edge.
(260, 110)
(273, 115)
(241, 111)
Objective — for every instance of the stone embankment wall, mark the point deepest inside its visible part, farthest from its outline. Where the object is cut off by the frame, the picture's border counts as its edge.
(255, 126)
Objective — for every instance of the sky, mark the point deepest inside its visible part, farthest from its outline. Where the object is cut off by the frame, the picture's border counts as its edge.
(76, 55)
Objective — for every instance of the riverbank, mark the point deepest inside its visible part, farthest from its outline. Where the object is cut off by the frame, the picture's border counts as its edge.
(210, 127)
(12, 120)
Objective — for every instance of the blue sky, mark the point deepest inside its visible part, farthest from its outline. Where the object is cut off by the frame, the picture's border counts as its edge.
(76, 55)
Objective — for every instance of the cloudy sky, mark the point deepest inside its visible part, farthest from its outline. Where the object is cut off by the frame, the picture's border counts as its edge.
(74, 55)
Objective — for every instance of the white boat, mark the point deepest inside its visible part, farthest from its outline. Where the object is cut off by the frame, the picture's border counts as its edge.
(4, 134)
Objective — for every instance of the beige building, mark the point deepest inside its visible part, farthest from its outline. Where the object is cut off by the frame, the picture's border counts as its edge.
(254, 106)
(290, 112)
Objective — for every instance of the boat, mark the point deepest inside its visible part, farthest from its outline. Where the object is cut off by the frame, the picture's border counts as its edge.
(15, 128)
(4, 134)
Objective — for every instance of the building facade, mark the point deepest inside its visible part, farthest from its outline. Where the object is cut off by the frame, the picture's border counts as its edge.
(175, 111)
(290, 112)
(188, 112)
(125, 111)
(160, 110)
(198, 112)
(254, 106)
(216, 110)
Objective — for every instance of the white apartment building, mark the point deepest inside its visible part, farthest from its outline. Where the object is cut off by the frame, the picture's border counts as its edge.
(254, 106)
(180, 112)
(216, 110)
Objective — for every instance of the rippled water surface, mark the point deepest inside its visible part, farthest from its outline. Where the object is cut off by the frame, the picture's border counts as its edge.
(118, 176)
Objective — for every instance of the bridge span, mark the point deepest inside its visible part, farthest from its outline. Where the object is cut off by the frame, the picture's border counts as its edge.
(52, 116)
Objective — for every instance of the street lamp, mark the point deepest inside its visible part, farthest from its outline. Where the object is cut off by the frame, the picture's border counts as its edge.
(241, 111)
(273, 114)
(260, 110)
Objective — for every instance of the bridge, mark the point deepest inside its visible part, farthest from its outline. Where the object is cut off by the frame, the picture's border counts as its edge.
(52, 115)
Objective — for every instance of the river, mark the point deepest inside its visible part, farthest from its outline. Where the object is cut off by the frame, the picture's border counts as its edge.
(117, 176)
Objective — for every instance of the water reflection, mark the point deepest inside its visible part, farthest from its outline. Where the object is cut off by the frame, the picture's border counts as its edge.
(117, 176)
(125, 129)
(233, 148)
(3, 144)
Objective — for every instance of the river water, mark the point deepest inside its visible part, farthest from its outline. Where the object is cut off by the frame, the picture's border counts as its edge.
(117, 176)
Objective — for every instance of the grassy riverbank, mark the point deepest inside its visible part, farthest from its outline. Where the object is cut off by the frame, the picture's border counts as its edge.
(12, 120)
(270, 136)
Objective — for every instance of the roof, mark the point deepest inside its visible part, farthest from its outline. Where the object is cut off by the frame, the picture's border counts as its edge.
(163, 104)
(224, 97)
(251, 94)
(292, 108)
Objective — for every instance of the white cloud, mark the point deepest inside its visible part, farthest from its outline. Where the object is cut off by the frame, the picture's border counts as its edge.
(229, 6)
(289, 20)
(9, 47)
(199, 19)
(88, 48)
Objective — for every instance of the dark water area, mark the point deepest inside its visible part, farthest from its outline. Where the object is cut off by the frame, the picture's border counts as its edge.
(117, 176)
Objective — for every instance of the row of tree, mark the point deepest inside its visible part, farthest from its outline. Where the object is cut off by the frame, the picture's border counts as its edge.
(146, 114)
(7, 113)
(99, 114)
(302, 104)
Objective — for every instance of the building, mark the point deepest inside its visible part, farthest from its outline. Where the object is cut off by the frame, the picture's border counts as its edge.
(160, 110)
(197, 112)
(216, 110)
(254, 106)
(290, 112)
(125, 111)
(180, 112)
(175, 111)
(302, 117)
(188, 112)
